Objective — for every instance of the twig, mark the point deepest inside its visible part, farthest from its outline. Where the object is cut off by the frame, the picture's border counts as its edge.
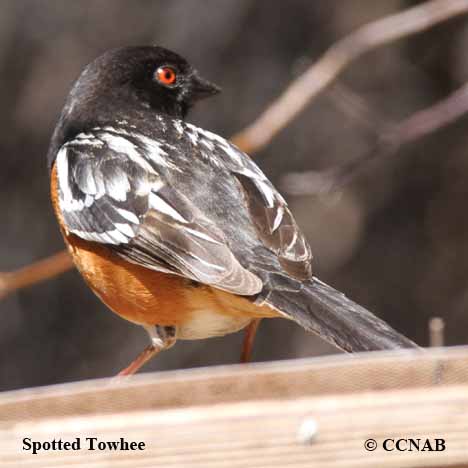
(431, 119)
(296, 97)
(359, 110)
(394, 136)
(322, 73)
(34, 273)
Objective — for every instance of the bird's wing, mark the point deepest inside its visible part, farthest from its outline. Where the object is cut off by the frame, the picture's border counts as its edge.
(274, 224)
(111, 191)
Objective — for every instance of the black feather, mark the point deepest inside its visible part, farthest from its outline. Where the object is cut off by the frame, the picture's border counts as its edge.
(321, 309)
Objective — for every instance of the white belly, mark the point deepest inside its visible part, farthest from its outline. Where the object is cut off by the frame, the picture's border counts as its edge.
(206, 324)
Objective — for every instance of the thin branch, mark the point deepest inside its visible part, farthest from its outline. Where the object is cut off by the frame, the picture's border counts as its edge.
(322, 73)
(359, 110)
(284, 109)
(409, 130)
(35, 273)
(431, 119)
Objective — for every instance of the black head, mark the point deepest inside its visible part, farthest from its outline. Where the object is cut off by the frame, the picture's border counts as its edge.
(144, 76)
(125, 81)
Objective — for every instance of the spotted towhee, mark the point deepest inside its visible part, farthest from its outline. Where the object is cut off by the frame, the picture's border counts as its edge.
(175, 228)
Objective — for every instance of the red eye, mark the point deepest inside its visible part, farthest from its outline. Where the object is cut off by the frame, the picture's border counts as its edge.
(166, 75)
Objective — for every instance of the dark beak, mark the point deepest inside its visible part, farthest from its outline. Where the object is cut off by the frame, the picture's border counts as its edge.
(201, 88)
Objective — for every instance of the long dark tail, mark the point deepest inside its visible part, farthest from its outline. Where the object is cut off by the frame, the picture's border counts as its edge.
(330, 314)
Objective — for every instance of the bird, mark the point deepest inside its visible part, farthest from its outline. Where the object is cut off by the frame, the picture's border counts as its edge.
(172, 226)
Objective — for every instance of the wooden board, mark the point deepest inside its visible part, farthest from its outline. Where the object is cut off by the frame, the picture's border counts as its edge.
(254, 416)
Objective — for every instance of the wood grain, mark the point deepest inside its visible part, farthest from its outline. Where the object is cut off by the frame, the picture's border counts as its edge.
(251, 416)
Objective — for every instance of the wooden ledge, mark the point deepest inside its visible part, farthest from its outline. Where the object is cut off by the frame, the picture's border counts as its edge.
(304, 413)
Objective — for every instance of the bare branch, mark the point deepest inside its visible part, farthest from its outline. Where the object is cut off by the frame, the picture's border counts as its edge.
(431, 119)
(322, 73)
(388, 143)
(359, 110)
(35, 273)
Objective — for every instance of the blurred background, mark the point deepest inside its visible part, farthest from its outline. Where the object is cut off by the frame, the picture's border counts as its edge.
(393, 239)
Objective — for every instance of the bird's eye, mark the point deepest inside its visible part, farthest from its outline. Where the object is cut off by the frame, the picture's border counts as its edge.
(166, 75)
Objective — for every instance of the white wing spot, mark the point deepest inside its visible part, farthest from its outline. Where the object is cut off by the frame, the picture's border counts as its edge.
(119, 190)
(178, 126)
(193, 136)
(67, 202)
(267, 192)
(125, 229)
(253, 175)
(122, 145)
(112, 237)
(156, 153)
(278, 218)
(159, 204)
(202, 235)
(115, 236)
(128, 215)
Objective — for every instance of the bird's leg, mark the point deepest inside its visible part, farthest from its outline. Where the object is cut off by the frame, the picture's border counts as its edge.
(161, 338)
(249, 338)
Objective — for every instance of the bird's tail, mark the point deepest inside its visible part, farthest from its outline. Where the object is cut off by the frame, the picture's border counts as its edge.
(329, 313)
